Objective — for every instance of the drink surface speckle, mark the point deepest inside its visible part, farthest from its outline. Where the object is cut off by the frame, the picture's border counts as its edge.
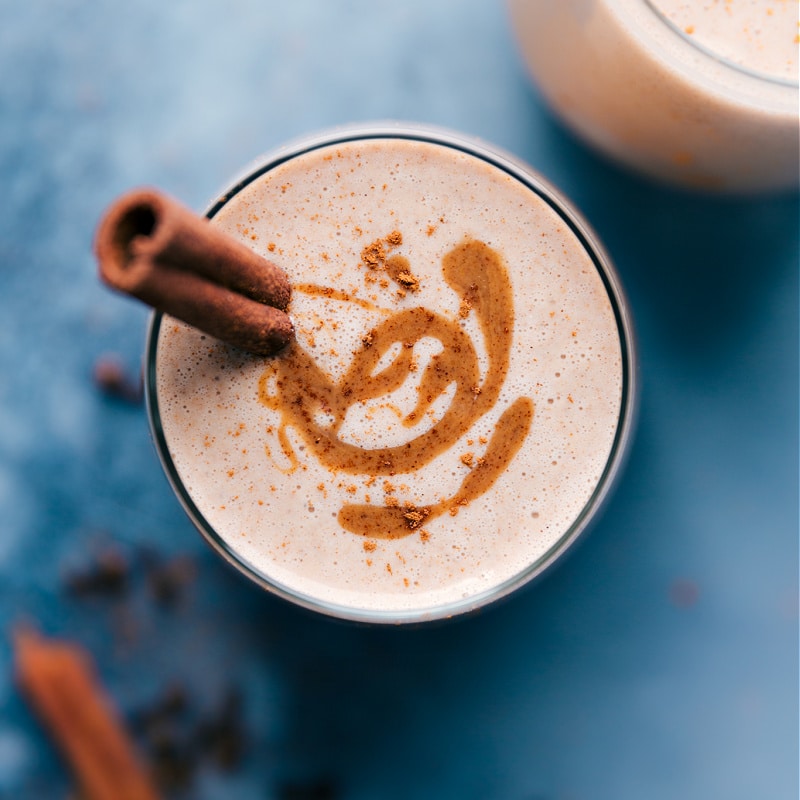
(759, 35)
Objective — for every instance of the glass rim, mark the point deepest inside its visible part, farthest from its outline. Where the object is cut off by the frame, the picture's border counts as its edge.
(720, 59)
(628, 400)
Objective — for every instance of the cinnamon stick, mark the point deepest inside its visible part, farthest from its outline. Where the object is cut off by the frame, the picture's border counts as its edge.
(59, 680)
(153, 248)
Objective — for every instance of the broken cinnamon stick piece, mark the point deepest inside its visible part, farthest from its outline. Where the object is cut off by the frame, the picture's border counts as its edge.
(153, 248)
(59, 680)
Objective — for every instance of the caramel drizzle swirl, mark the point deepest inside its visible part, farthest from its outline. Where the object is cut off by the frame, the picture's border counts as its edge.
(302, 390)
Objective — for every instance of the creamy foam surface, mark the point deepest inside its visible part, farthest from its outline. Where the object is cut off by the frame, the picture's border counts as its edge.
(263, 484)
(759, 35)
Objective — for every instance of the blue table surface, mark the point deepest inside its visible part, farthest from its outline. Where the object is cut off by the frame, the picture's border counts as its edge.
(659, 661)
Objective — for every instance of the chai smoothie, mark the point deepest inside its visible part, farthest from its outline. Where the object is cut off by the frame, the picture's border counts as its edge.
(701, 94)
(455, 403)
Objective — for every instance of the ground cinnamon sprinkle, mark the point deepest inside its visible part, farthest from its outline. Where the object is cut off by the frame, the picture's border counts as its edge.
(108, 574)
(414, 517)
(113, 380)
(58, 679)
(409, 281)
(373, 255)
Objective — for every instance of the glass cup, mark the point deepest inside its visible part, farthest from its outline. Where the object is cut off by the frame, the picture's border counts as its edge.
(402, 505)
(702, 96)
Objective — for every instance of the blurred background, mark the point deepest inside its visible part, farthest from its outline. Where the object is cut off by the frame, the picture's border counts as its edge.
(659, 661)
